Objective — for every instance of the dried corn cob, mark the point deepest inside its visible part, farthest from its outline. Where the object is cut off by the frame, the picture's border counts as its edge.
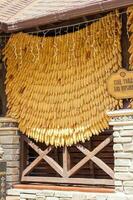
(56, 86)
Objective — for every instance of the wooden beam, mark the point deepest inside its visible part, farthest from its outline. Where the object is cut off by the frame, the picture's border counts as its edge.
(84, 181)
(3, 27)
(103, 144)
(103, 166)
(32, 145)
(54, 165)
(89, 156)
(23, 155)
(63, 188)
(91, 164)
(36, 161)
(42, 155)
(88, 9)
(98, 161)
(125, 44)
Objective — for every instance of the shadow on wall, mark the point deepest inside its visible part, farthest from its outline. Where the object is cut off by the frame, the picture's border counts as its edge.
(1, 107)
(2, 90)
(2, 93)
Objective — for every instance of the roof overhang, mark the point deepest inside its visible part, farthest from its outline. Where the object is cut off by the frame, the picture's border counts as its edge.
(90, 9)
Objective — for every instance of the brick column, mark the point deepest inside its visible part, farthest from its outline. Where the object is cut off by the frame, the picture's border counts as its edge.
(122, 122)
(9, 141)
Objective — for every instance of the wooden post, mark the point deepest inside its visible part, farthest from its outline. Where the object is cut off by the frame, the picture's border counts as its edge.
(66, 161)
(92, 172)
(23, 155)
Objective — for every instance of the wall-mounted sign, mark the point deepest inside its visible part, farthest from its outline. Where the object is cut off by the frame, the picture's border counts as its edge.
(120, 84)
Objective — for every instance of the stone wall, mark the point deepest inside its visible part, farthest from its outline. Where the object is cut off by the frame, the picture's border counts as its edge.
(122, 122)
(9, 141)
(123, 147)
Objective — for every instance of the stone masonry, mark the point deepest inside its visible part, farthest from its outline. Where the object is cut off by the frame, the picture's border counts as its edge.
(123, 147)
(122, 122)
(9, 141)
(67, 195)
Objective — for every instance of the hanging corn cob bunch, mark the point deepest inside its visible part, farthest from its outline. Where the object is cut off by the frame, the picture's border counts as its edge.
(56, 86)
(130, 29)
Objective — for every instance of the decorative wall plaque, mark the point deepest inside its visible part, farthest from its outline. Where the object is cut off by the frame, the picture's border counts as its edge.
(120, 84)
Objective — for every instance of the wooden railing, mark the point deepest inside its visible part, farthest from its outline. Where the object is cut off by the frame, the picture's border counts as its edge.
(65, 172)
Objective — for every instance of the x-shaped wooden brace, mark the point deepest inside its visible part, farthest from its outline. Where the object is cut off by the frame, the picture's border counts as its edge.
(91, 156)
(66, 171)
(42, 156)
